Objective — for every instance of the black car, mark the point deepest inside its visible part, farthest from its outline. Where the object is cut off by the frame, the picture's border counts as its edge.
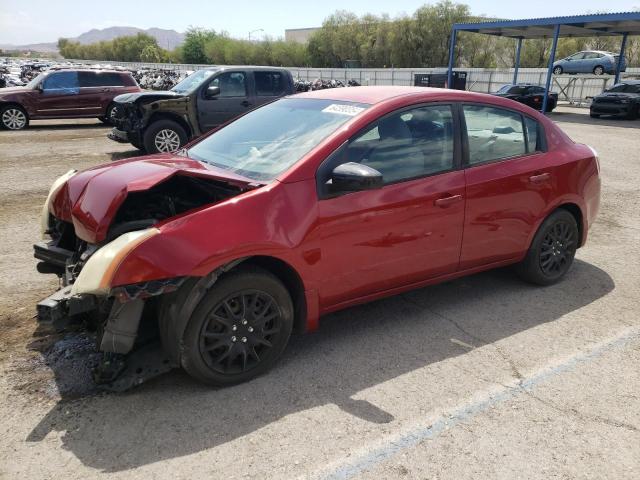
(621, 99)
(165, 121)
(531, 95)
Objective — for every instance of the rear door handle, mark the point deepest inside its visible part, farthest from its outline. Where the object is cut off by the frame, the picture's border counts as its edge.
(246, 103)
(541, 178)
(446, 201)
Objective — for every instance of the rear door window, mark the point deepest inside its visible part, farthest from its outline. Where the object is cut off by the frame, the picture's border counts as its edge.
(63, 83)
(100, 79)
(269, 84)
(493, 133)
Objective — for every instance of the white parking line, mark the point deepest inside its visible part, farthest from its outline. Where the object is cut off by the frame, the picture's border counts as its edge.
(370, 457)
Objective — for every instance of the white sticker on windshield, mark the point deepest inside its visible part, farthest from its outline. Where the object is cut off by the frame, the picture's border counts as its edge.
(350, 110)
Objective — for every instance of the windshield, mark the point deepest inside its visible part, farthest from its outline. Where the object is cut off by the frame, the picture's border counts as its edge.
(192, 81)
(269, 140)
(625, 87)
(36, 81)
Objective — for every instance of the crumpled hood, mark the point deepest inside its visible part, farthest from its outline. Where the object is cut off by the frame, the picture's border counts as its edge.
(146, 96)
(91, 198)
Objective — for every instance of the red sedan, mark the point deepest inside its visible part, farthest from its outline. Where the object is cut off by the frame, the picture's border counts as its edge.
(305, 206)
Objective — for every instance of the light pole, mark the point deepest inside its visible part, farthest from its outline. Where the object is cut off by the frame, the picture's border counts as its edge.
(254, 31)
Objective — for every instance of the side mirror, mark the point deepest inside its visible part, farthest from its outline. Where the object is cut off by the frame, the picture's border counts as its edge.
(213, 91)
(354, 177)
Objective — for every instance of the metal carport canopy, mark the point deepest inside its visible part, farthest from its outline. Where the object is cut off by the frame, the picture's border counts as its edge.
(597, 25)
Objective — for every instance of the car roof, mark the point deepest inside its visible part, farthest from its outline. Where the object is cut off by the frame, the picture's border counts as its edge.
(376, 94)
(96, 70)
(240, 67)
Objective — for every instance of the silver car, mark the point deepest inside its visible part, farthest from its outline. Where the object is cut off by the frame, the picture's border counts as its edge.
(589, 61)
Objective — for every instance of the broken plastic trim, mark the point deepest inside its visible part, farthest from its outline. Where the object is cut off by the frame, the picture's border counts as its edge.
(148, 289)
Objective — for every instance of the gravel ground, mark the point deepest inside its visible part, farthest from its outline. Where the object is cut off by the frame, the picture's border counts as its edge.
(480, 377)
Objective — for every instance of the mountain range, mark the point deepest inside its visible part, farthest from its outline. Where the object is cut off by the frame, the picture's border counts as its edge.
(168, 39)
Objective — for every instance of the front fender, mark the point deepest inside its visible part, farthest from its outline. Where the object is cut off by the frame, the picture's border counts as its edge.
(277, 221)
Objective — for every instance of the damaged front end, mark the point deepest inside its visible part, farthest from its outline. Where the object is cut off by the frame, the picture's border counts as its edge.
(85, 257)
(134, 112)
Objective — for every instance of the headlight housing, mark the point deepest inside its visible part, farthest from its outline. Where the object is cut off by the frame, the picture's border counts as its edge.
(97, 273)
(55, 188)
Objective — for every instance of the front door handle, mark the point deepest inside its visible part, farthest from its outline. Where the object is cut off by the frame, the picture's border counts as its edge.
(541, 178)
(446, 201)
(246, 103)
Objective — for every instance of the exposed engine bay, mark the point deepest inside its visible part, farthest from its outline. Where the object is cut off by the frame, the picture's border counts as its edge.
(125, 318)
(173, 197)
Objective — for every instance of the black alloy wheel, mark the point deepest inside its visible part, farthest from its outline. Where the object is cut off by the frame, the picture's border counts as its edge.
(239, 331)
(552, 250)
(239, 328)
(557, 249)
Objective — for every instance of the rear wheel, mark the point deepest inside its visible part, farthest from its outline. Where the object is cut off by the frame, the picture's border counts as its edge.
(13, 117)
(239, 329)
(633, 112)
(599, 70)
(557, 70)
(552, 251)
(594, 115)
(164, 136)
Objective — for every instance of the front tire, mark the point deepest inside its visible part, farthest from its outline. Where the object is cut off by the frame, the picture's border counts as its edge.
(594, 115)
(110, 114)
(13, 117)
(239, 329)
(552, 250)
(557, 70)
(164, 136)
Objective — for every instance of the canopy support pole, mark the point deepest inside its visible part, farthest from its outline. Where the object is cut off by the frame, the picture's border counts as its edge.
(515, 70)
(552, 58)
(621, 58)
(452, 49)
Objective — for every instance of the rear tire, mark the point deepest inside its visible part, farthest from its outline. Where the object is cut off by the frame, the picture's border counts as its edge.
(164, 136)
(239, 329)
(13, 117)
(594, 115)
(633, 112)
(552, 250)
(598, 70)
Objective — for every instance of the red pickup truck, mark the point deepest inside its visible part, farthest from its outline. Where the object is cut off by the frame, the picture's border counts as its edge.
(69, 93)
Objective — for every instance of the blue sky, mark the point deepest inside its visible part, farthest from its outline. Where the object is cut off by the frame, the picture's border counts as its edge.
(30, 21)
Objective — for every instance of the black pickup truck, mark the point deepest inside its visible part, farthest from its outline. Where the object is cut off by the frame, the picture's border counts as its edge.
(165, 121)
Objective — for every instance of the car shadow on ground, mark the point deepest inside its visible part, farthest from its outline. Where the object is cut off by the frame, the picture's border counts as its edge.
(35, 126)
(585, 119)
(355, 349)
